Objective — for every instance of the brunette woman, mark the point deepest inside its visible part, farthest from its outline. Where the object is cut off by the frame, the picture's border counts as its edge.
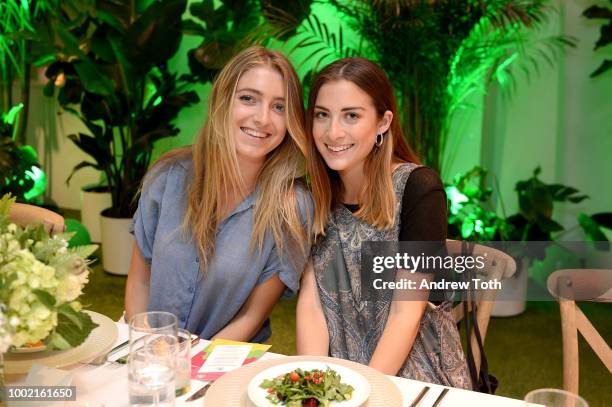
(368, 185)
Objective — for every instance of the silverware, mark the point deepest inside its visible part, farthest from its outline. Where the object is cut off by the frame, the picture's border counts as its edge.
(440, 397)
(418, 398)
(100, 360)
(200, 393)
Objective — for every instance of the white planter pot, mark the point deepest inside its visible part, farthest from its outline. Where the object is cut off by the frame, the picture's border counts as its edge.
(92, 203)
(511, 300)
(117, 244)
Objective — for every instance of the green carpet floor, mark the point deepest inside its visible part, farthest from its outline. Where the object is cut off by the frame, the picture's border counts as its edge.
(524, 352)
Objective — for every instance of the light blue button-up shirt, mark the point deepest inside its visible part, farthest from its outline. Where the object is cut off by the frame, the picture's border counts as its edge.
(205, 302)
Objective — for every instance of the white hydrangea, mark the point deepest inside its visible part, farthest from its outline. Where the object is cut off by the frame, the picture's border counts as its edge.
(39, 275)
(5, 331)
(35, 318)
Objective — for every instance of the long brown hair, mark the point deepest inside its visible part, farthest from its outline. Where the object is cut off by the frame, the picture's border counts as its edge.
(377, 200)
(216, 174)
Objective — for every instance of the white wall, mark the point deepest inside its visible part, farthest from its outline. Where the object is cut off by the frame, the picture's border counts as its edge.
(47, 132)
(560, 120)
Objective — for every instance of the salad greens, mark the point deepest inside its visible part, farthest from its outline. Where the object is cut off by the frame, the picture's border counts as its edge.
(310, 388)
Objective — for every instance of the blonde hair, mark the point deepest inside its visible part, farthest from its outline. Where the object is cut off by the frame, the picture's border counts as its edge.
(216, 174)
(377, 201)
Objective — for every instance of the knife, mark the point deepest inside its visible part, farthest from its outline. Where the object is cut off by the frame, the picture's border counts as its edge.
(440, 397)
(200, 393)
(418, 398)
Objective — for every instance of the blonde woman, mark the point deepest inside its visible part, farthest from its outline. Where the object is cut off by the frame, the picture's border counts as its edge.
(368, 185)
(222, 227)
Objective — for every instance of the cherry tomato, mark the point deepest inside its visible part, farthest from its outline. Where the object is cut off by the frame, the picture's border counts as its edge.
(294, 377)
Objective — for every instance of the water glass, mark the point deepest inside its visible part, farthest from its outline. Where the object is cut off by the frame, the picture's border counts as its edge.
(183, 362)
(151, 371)
(153, 323)
(555, 398)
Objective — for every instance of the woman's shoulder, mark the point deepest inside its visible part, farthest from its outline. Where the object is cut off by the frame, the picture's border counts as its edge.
(424, 178)
(411, 178)
(171, 169)
(304, 199)
(422, 182)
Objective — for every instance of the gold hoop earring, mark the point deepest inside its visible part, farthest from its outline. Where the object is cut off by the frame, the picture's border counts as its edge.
(379, 140)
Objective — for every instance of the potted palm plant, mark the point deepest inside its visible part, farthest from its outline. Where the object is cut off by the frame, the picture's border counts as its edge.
(452, 49)
(111, 71)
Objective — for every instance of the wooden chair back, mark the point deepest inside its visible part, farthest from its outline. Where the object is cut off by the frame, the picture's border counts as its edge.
(569, 286)
(498, 266)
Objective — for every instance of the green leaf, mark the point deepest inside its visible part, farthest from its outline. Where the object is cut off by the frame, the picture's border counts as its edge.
(605, 37)
(47, 299)
(49, 89)
(204, 10)
(603, 219)
(597, 12)
(110, 19)
(44, 60)
(577, 199)
(605, 66)
(12, 115)
(190, 27)
(72, 327)
(57, 341)
(100, 45)
(86, 143)
(591, 228)
(73, 316)
(93, 80)
(83, 251)
(82, 164)
(548, 225)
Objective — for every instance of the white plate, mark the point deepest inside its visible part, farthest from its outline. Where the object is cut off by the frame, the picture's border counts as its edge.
(361, 387)
(100, 340)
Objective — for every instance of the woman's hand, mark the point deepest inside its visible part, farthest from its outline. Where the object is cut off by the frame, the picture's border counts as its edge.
(137, 285)
(401, 329)
(312, 337)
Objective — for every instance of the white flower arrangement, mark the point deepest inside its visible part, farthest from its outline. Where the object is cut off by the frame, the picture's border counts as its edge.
(41, 279)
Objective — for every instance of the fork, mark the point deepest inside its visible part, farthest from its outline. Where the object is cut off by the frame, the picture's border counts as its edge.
(102, 359)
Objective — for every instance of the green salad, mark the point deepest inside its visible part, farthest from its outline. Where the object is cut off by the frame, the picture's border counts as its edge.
(307, 388)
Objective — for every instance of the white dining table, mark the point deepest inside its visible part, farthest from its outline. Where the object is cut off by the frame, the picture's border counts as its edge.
(107, 385)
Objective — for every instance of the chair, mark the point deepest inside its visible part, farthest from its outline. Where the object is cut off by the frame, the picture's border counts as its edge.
(24, 214)
(569, 286)
(498, 266)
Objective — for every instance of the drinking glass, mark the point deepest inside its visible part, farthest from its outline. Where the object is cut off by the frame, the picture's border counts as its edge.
(151, 370)
(555, 398)
(183, 362)
(153, 323)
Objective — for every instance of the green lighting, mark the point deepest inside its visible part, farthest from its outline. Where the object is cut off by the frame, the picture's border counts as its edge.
(40, 182)
(157, 101)
(456, 199)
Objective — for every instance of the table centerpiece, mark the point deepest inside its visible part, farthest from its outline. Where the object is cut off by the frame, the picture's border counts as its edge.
(41, 279)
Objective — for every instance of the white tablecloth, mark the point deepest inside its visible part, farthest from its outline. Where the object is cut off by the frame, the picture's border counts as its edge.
(108, 385)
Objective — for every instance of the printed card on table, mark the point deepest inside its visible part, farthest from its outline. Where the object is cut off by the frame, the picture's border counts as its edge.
(222, 356)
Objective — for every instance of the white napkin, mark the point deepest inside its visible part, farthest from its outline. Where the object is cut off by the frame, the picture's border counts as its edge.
(44, 376)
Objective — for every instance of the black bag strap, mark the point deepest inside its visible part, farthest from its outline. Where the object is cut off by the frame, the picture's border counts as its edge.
(481, 381)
